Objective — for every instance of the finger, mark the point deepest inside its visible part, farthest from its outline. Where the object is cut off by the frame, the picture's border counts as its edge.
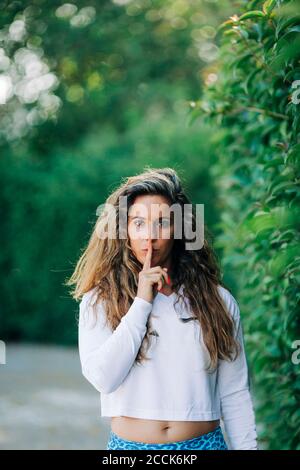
(162, 282)
(168, 277)
(157, 279)
(147, 262)
(165, 276)
(160, 271)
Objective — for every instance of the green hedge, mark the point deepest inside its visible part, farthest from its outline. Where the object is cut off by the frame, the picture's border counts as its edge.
(255, 102)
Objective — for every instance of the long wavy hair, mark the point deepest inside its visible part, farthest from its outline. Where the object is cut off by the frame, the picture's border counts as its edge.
(108, 265)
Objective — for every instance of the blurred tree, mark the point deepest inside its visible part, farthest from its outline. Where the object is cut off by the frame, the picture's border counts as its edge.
(91, 93)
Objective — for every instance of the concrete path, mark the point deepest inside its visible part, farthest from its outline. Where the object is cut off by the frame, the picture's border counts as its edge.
(46, 403)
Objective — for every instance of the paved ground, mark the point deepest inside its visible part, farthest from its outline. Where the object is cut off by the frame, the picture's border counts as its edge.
(46, 403)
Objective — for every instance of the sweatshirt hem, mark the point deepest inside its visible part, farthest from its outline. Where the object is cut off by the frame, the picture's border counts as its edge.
(164, 414)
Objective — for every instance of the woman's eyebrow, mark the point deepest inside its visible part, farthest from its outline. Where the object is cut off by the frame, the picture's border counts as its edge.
(141, 217)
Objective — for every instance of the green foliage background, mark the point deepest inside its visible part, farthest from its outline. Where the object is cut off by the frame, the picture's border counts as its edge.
(123, 76)
(256, 104)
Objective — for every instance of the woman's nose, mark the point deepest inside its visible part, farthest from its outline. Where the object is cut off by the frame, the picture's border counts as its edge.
(151, 233)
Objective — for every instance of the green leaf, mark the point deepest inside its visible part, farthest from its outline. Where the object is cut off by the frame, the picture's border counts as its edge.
(279, 263)
(275, 162)
(293, 74)
(193, 115)
(283, 25)
(249, 80)
(224, 25)
(281, 187)
(243, 58)
(252, 14)
(230, 32)
(259, 222)
(268, 6)
(293, 157)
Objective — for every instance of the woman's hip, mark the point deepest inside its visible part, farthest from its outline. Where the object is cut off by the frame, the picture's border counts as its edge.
(213, 440)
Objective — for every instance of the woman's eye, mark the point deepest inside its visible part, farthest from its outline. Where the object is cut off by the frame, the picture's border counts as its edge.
(164, 223)
(138, 223)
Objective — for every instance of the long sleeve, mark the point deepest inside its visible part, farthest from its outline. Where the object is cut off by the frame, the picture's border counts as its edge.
(234, 387)
(107, 356)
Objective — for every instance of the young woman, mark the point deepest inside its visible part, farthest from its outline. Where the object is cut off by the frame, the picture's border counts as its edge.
(160, 337)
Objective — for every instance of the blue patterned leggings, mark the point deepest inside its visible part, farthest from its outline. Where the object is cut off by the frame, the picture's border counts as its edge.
(213, 440)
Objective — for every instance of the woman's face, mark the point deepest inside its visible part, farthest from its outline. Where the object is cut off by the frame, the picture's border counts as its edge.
(150, 217)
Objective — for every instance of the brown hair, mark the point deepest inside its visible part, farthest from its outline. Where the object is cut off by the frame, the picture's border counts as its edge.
(109, 265)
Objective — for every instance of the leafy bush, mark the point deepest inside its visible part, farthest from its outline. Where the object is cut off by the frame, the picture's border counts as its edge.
(255, 101)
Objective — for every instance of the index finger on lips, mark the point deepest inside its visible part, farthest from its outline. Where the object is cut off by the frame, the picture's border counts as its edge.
(147, 262)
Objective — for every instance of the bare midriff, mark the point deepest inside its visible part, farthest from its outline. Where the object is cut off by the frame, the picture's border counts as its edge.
(155, 431)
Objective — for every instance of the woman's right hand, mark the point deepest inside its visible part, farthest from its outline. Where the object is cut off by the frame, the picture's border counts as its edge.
(148, 277)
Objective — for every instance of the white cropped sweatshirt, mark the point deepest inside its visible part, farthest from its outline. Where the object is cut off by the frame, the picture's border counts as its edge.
(173, 384)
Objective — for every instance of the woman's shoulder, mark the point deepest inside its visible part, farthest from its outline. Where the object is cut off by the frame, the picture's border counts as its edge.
(229, 299)
(89, 297)
(91, 308)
